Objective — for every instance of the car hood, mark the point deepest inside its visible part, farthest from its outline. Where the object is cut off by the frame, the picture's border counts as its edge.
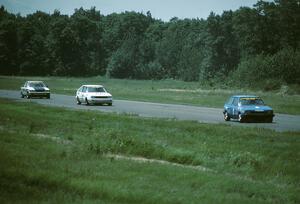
(257, 108)
(100, 94)
(39, 89)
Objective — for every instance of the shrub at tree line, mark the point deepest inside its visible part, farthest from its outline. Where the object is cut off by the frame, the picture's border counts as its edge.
(247, 47)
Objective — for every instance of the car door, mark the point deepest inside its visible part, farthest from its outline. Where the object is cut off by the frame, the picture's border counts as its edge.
(78, 93)
(228, 106)
(82, 93)
(23, 89)
(235, 110)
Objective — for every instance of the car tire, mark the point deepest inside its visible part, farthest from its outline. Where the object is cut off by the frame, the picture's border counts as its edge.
(27, 96)
(110, 104)
(226, 117)
(87, 102)
(48, 96)
(240, 118)
(22, 96)
(77, 101)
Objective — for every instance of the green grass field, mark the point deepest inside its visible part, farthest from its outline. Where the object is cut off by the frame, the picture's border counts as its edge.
(54, 155)
(165, 91)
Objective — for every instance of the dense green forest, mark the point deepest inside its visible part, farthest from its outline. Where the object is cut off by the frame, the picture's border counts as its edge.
(249, 46)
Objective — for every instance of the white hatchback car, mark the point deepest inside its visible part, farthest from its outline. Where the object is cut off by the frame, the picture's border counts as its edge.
(93, 94)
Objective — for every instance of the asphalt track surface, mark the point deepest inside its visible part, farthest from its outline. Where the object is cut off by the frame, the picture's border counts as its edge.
(281, 122)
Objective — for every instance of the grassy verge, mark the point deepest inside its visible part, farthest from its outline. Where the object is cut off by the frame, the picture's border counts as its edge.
(165, 91)
(58, 156)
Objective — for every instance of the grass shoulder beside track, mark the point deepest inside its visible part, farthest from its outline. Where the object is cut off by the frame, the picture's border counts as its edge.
(58, 155)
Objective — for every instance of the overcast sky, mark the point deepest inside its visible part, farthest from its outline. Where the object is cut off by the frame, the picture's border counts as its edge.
(160, 9)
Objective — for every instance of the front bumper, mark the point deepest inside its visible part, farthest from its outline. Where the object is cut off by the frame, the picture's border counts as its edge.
(100, 100)
(38, 94)
(258, 115)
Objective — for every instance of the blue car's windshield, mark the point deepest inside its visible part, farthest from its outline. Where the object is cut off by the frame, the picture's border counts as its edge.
(251, 101)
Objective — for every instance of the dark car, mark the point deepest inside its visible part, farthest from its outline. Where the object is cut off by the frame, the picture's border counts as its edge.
(35, 89)
(247, 108)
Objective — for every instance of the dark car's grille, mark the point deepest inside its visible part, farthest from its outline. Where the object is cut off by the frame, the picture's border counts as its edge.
(39, 90)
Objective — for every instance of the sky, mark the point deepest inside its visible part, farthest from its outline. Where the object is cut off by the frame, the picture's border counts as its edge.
(160, 9)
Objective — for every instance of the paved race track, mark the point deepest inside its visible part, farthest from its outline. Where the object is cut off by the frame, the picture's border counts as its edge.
(282, 122)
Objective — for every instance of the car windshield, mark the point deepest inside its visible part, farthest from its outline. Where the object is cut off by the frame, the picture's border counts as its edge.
(37, 85)
(95, 89)
(251, 101)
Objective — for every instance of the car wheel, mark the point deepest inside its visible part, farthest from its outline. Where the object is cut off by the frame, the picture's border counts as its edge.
(110, 104)
(77, 101)
(240, 118)
(87, 102)
(48, 96)
(27, 96)
(22, 96)
(226, 117)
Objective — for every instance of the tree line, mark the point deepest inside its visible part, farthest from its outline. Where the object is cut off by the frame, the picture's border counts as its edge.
(247, 46)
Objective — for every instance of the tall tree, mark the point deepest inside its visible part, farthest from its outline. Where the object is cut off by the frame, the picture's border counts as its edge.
(8, 43)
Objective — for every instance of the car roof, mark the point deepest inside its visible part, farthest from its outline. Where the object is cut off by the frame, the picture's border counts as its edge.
(245, 96)
(35, 81)
(93, 85)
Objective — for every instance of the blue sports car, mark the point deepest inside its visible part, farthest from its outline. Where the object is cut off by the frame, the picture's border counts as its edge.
(247, 107)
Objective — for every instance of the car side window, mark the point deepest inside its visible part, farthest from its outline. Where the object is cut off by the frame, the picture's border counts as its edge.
(84, 89)
(25, 84)
(80, 89)
(235, 101)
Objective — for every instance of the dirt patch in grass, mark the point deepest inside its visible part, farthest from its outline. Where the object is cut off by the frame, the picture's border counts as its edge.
(41, 135)
(198, 167)
(146, 160)
(56, 139)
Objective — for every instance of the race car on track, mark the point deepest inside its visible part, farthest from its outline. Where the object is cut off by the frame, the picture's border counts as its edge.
(93, 94)
(247, 108)
(35, 89)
